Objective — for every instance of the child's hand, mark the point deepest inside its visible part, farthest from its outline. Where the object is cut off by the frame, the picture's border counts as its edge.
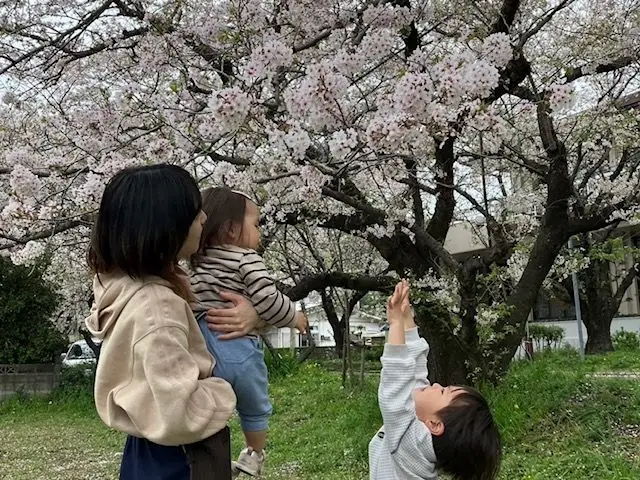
(302, 323)
(398, 307)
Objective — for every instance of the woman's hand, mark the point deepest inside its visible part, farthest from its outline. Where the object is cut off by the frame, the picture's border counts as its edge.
(236, 321)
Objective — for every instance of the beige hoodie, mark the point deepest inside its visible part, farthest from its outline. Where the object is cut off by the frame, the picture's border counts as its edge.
(154, 375)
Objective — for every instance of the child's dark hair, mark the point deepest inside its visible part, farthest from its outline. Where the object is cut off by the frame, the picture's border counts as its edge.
(469, 448)
(223, 207)
(144, 219)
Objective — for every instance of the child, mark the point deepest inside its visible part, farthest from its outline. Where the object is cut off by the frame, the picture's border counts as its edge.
(427, 428)
(153, 380)
(227, 260)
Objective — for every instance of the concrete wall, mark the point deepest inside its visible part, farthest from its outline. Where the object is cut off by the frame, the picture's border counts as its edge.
(630, 324)
(28, 379)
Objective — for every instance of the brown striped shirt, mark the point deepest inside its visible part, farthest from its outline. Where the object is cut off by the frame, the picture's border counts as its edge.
(243, 271)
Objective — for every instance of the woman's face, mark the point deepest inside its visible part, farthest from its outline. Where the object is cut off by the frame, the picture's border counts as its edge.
(191, 244)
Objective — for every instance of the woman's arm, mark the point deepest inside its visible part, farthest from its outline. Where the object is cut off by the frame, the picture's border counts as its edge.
(166, 400)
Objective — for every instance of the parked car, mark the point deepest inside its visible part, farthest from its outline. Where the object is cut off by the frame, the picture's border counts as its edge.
(79, 353)
(373, 338)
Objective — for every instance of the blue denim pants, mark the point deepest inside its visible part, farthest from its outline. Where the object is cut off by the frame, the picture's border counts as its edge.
(241, 363)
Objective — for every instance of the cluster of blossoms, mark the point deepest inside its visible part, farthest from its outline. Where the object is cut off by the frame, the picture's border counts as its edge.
(342, 143)
(388, 16)
(561, 97)
(229, 107)
(24, 183)
(29, 254)
(316, 98)
(567, 264)
(441, 289)
(488, 315)
(267, 58)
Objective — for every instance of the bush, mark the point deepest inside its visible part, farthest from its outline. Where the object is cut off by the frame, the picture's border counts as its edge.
(281, 363)
(27, 303)
(373, 354)
(75, 382)
(625, 340)
(546, 336)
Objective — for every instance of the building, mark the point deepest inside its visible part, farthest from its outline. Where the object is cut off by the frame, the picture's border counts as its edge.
(362, 325)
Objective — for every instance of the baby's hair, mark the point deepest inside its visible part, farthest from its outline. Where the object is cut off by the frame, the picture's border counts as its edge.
(469, 448)
(224, 208)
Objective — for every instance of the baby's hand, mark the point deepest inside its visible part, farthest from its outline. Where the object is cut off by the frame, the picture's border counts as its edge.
(398, 307)
(302, 323)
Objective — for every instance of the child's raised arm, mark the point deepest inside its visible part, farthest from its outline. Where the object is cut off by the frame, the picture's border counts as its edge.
(399, 311)
(400, 368)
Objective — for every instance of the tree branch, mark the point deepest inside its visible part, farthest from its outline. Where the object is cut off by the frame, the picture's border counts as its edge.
(573, 74)
(626, 282)
(542, 22)
(438, 226)
(506, 16)
(59, 228)
(349, 281)
(59, 40)
(436, 247)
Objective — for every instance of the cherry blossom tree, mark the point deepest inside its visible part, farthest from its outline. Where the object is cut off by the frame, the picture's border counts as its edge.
(381, 120)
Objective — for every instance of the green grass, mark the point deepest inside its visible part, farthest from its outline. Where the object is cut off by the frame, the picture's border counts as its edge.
(557, 422)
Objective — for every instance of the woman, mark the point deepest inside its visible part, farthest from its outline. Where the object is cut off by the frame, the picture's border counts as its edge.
(153, 380)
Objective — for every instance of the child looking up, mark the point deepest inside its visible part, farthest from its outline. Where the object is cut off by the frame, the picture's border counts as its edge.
(427, 427)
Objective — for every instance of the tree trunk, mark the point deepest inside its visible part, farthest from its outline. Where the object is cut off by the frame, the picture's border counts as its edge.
(599, 335)
(338, 335)
(92, 345)
(447, 362)
(546, 248)
(337, 325)
(447, 365)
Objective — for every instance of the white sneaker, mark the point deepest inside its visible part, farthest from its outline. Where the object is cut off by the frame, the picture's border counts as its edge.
(250, 462)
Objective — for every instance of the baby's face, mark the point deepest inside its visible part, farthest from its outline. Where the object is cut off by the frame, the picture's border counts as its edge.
(430, 400)
(250, 236)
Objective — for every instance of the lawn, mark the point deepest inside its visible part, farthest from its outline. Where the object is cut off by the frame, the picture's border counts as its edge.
(557, 422)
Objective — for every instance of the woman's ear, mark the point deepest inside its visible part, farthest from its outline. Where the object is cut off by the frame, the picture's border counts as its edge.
(436, 427)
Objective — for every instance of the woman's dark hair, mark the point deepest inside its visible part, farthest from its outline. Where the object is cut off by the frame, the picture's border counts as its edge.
(144, 219)
(469, 448)
(224, 208)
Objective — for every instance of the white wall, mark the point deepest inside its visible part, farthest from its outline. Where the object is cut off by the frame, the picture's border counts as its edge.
(630, 324)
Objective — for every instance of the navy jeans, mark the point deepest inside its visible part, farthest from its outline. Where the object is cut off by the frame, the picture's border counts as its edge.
(144, 460)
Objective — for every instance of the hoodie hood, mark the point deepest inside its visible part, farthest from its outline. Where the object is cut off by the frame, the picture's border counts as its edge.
(111, 293)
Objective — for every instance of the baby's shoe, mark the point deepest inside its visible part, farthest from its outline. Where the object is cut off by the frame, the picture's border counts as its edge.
(250, 462)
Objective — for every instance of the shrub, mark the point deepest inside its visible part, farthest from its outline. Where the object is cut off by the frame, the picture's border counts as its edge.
(625, 340)
(280, 363)
(373, 354)
(546, 336)
(75, 382)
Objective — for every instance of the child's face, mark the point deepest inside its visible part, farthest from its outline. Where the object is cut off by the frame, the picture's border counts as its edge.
(250, 233)
(430, 400)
